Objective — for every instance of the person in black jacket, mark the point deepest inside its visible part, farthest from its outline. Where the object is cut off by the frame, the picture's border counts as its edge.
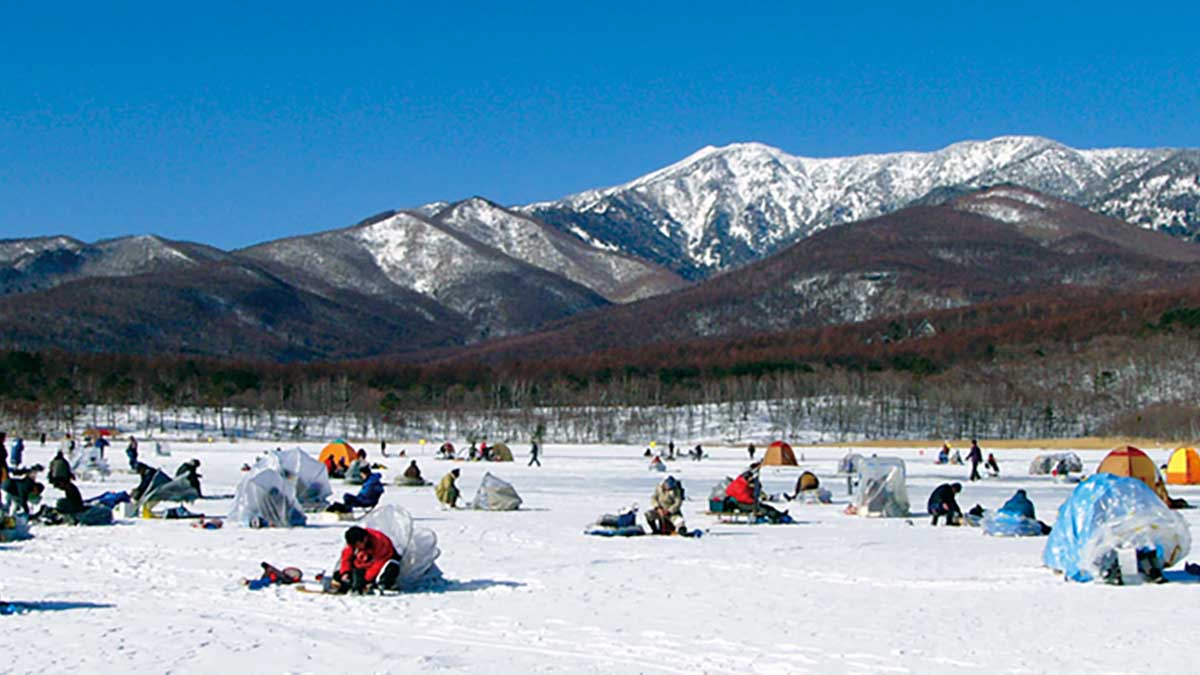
(60, 471)
(18, 492)
(189, 469)
(71, 502)
(975, 457)
(944, 502)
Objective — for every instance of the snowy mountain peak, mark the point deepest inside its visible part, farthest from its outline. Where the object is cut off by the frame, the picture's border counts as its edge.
(725, 206)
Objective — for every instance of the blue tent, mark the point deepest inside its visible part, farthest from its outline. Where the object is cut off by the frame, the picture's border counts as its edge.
(1108, 512)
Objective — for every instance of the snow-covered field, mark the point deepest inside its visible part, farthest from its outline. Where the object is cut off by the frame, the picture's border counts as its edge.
(527, 592)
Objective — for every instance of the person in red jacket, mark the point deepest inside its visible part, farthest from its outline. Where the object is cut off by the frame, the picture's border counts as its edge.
(368, 561)
(744, 491)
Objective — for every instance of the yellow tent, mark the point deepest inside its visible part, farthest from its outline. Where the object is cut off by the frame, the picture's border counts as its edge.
(779, 454)
(339, 450)
(500, 453)
(1184, 467)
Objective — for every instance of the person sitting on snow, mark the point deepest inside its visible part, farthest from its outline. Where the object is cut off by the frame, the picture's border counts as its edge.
(742, 495)
(367, 497)
(71, 502)
(943, 502)
(666, 513)
(992, 466)
(190, 470)
(447, 490)
(354, 471)
(413, 472)
(1019, 505)
(368, 561)
(944, 454)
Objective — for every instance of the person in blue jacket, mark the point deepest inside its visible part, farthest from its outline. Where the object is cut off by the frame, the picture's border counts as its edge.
(18, 453)
(367, 497)
(1019, 505)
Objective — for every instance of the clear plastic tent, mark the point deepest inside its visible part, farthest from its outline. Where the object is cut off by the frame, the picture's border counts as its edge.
(87, 463)
(883, 490)
(850, 463)
(164, 489)
(416, 546)
(307, 475)
(266, 499)
(1044, 465)
(1105, 514)
(1005, 524)
(495, 495)
(717, 494)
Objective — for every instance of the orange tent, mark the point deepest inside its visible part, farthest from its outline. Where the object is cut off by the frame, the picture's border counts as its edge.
(779, 454)
(338, 450)
(1184, 467)
(1129, 461)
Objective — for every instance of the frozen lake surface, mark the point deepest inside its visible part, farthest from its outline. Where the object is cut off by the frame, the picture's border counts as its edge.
(528, 592)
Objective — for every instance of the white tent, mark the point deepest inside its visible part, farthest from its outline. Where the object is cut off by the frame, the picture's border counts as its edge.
(265, 499)
(882, 488)
(1044, 465)
(88, 464)
(495, 495)
(305, 473)
(850, 463)
(416, 546)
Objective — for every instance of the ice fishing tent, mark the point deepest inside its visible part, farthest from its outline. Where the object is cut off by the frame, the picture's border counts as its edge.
(500, 453)
(266, 499)
(416, 546)
(495, 495)
(1184, 467)
(1045, 465)
(850, 463)
(340, 451)
(307, 475)
(883, 489)
(1108, 514)
(1133, 463)
(88, 464)
(779, 454)
(165, 489)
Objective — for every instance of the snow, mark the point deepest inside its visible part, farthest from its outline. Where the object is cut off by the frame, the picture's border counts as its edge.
(527, 591)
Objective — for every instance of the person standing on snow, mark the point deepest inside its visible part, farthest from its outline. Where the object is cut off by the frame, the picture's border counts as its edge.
(59, 471)
(131, 452)
(534, 451)
(17, 454)
(975, 457)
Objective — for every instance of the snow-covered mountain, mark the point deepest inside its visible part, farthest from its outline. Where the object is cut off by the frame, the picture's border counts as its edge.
(398, 254)
(45, 262)
(990, 245)
(616, 276)
(723, 207)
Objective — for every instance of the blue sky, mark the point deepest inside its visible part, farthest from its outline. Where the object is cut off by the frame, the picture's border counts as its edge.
(228, 125)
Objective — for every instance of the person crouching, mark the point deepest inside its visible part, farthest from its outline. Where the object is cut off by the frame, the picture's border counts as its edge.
(369, 562)
(943, 502)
